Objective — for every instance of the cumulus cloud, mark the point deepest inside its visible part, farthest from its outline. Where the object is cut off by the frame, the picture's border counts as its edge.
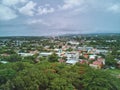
(13, 2)
(45, 10)
(114, 8)
(28, 9)
(37, 21)
(81, 5)
(6, 13)
(70, 4)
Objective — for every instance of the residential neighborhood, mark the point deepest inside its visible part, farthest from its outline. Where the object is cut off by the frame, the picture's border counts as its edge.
(90, 50)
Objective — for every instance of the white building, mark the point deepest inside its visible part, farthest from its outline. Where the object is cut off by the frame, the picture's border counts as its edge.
(45, 54)
(74, 42)
(73, 62)
(98, 51)
(3, 62)
(72, 55)
(25, 54)
(92, 57)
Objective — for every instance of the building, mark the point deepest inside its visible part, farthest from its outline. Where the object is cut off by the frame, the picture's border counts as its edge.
(45, 54)
(71, 61)
(73, 42)
(25, 54)
(72, 55)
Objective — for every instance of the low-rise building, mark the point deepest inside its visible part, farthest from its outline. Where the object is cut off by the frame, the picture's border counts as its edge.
(72, 61)
(25, 54)
(72, 55)
(45, 54)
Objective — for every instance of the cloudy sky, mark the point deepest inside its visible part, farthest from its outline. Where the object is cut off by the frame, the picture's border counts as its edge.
(55, 17)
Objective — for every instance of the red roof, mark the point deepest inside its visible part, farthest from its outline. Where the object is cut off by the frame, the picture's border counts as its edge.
(97, 63)
(83, 62)
(100, 59)
(61, 60)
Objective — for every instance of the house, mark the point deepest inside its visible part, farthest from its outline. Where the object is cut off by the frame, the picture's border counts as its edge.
(98, 64)
(94, 66)
(83, 62)
(72, 55)
(34, 52)
(61, 61)
(92, 57)
(45, 54)
(89, 48)
(73, 42)
(101, 60)
(65, 47)
(71, 61)
(80, 48)
(103, 51)
(62, 54)
(109, 41)
(85, 48)
(3, 62)
(25, 54)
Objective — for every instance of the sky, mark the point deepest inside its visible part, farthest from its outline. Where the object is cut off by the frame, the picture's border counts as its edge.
(56, 17)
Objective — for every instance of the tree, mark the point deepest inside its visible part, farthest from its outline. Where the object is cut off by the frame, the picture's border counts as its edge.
(13, 58)
(6, 74)
(109, 60)
(61, 84)
(53, 58)
(99, 80)
(55, 76)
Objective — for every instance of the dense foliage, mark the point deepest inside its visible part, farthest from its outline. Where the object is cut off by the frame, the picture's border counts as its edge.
(54, 76)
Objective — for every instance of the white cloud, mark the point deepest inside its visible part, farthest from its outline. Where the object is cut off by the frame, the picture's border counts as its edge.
(28, 9)
(6, 13)
(13, 2)
(81, 5)
(47, 5)
(71, 3)
(114, 8)
(37, 21)
(45, 10)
